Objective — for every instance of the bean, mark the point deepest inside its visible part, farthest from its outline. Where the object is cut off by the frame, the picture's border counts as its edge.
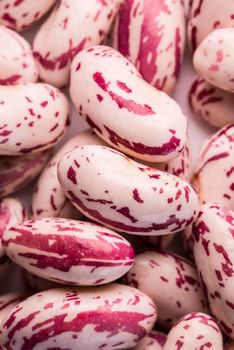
(141, 120)
(125, 195)
(89, 318)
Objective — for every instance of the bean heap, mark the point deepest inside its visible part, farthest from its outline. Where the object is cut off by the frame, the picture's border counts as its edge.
(89, 264)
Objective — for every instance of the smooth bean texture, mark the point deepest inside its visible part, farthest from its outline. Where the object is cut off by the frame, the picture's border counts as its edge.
(34, 117)
(69, 251)
(214, 256)
(125, 195)
(78, 24)
(7, 303)
(151, 34)
(141, 120)
(212, 104)
(214, 59)
(153, 341)
(171, 281)
(195, 331)
(87, 318)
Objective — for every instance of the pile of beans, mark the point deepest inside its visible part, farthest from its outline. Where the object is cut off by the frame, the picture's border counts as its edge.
(92, 253)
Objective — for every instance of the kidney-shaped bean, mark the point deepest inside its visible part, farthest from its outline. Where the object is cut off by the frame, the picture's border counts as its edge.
(171, 281)
(130, 197)
(214, 256)
(151, 34)
(33, 117)
(195, 331)
(17, 64)
(77, 24)
(214, 58)
(69, 251)
(214, 174)
(88, 318)
(48, 198)
(123, 109)
(212, 104)
(20, 14)
(205, 16)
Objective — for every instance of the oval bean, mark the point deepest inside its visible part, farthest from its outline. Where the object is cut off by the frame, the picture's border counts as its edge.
(171, 281)
(141, 120)
(151, 34)
(212, 104)
(87, 318)
(214, 256)
(36, 121)
(126, 196)
(195, 331)
(214, 59)
(69, 251)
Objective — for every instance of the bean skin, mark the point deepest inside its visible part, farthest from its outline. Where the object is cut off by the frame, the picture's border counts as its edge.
(7, 303)
(212, 104)
(78, 24)
(76, 319)
(204, 18)
(16, 59)
(17, 172)
(48, 197)
(69, 251)
(143, 122)
(171, 281)
(216, 159)
(195, 331)
(151, 34)
(12, 213)
(214, 59)
(153, 341)
(36, 121)
(21, 14)
(126, 196)
(214, 257)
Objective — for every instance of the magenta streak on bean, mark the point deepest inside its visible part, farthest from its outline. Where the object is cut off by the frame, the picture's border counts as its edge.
(112, 322)
(177, 53)
(78, 252)
(130, 105)
(124, 21)
(10, 80)
(121, 226)
(165, 149)
(61, 61)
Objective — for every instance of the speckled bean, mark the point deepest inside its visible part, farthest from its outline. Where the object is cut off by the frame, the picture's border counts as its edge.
(214, 174)
(205, 16)
(195, 331)
(77, 24)
(110, 317)
(214, 59)
(69, 251)
(151, 34)
(48, 198)
(214, 255)
(212, 104)
(16, 172)
(229, 345)
(20, 14)
(169, 280)
(17, 64)
(141, 120)
(126, 196)
(153, 341)
(7, 303)
(34, 117)
(12, 213)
